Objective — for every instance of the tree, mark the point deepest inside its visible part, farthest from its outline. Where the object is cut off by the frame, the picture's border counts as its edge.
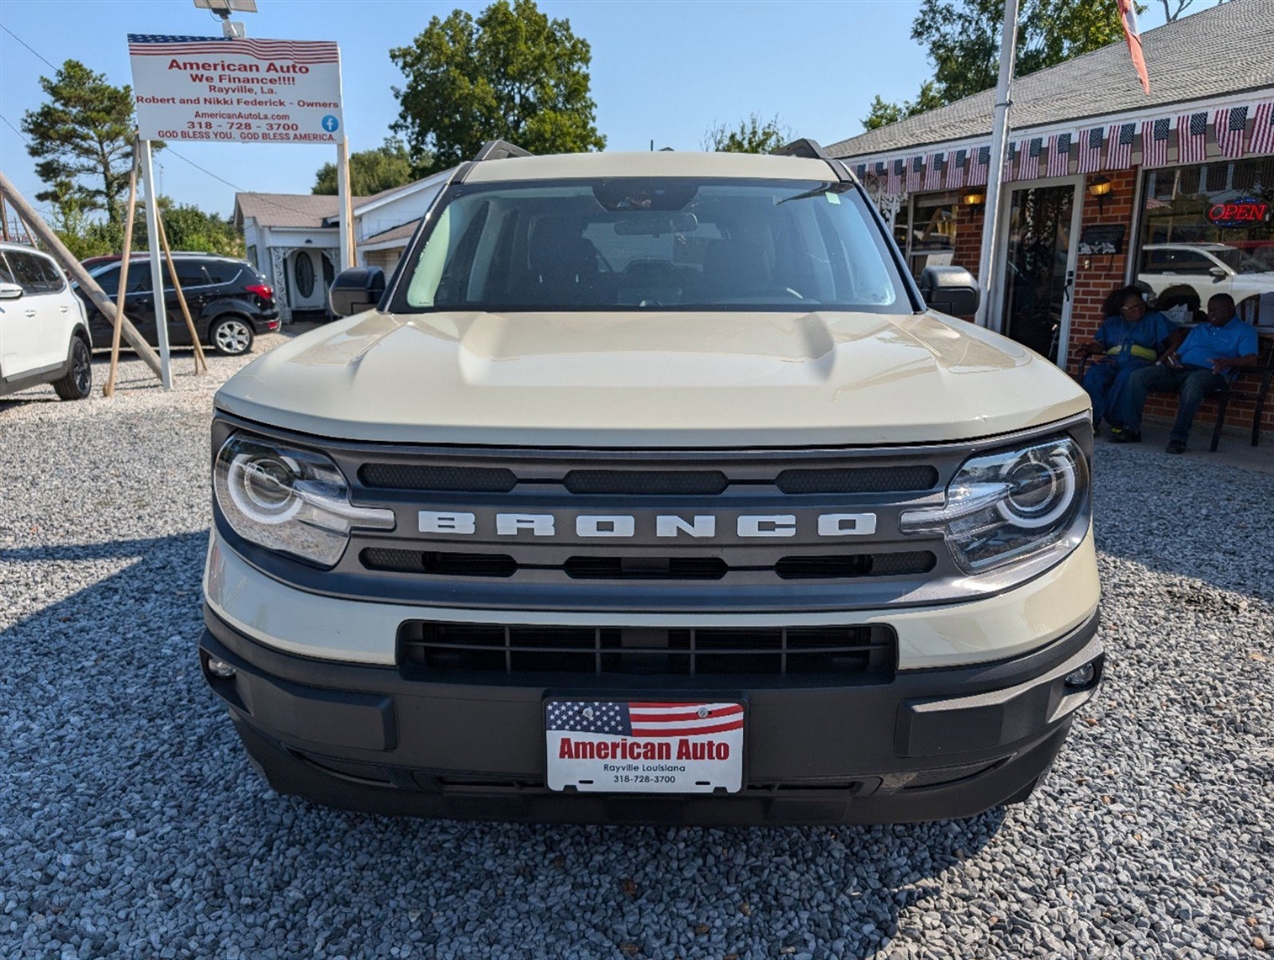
(83, 140)
(370, 171)
(882, 113)
(1173, 9)
(512, 74)
(962, 38)
(752, 135)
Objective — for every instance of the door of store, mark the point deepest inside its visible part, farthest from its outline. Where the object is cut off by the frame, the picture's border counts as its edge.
(1038, 266)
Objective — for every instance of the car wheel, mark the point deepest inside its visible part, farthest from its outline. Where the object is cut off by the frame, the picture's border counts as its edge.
(231, 336)
(78, 382)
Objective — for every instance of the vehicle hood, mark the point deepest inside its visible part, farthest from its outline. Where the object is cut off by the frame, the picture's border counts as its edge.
(652, 380)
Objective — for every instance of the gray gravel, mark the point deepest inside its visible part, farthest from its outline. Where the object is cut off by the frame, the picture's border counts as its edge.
(131, 826)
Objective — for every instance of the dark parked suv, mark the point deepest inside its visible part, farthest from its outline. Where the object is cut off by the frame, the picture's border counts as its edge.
(229, 301)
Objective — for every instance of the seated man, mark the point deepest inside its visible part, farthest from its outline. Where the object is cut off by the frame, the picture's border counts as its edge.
(1129, 338)
(1208, 356)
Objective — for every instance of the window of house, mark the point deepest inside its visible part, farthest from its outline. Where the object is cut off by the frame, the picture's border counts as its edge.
(931, 235)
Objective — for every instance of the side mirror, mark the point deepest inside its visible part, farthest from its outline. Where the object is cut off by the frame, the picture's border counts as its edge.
(10, 291)
(356, 290)
(950, 290)
(1218, 273)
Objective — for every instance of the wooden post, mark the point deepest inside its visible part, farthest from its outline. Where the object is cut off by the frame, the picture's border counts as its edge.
(200, 360)
(78, 273)
(4, 220)
(346, 203)
(109, 388)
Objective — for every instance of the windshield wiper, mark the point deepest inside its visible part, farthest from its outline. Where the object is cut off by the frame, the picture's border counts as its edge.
(843, 186)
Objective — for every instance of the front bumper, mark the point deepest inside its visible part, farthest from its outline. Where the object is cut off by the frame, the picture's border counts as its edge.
(929, 744)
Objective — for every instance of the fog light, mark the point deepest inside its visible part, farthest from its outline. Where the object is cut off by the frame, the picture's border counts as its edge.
(1082, 677)
(219, 668)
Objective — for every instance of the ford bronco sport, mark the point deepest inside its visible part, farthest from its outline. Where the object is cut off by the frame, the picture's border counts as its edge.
(649, 489)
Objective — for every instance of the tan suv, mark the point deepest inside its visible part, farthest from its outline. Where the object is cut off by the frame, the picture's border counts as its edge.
(650, 489)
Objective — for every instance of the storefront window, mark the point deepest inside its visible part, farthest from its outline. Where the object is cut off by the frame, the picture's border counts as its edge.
(1209, 229)
(932, 236)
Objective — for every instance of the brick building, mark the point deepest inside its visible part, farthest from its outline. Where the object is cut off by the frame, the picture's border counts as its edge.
(1103, 184)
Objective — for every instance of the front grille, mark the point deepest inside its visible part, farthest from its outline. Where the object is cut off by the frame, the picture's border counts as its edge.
(645, 568)
(408, 476)
(844, 566)
(429, 649)
(858, 480)
(440, 564)
(636, 483)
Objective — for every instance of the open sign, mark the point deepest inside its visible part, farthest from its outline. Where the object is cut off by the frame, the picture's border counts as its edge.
(1239, 213)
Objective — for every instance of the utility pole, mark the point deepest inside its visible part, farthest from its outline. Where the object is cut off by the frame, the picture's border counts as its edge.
(995, 170)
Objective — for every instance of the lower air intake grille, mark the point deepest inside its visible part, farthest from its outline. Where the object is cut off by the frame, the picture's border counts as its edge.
(434, 650)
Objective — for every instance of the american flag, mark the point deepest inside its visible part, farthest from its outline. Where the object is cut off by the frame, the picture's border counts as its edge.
(1059, 155)
(1128, 14)
(1090, 144)
(914, 167)
(956, 169)
(1231, 126)
(1154, 142)
(896, 170)
(1029, 167)
(615, 718)
(881, 170)
(1192, 137)
(1119, 150)
(979, 163)
(933, 176)
(297, 51)
(860, 171)
(1010, 155)
(1263, 130)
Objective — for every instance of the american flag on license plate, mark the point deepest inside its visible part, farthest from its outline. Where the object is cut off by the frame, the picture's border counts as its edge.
(1119, 150)
(1154, 142)
(956, 169)
(638, 720)
(979, 163)
(933, 176)
(1059, 155)
(1192, 137)
(1231, 130)
(1263, 130)
(1090, 143)
(1029, 165)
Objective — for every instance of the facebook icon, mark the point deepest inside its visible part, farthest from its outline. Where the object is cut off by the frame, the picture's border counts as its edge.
(330, 123)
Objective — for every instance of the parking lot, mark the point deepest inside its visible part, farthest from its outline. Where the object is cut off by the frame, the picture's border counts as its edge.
(131, 825)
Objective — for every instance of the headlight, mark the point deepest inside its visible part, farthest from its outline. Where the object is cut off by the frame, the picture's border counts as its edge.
(287, 499)
(1026, 503)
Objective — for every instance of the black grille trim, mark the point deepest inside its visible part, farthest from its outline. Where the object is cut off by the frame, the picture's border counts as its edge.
(647, 482)
(643, 568)
(906, 479)
(436, 650)
(409, 476)
(846, 566)
(439, 564)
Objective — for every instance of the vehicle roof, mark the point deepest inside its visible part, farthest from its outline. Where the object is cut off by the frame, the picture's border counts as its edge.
(661, 163)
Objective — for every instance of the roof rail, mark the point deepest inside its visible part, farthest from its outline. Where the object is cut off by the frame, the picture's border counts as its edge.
(500, 150)
(804, 147)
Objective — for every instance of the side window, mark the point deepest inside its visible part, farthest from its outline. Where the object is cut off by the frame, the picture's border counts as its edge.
(139, 277)
(53, 280)
(220, 271)
(1156, 261)
(26, 271)
(189, 274)
(1188, 261)
(108, 280)
(6, 275)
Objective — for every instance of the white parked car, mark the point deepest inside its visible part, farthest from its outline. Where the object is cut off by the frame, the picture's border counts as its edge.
(1209, 268)
(44, 335)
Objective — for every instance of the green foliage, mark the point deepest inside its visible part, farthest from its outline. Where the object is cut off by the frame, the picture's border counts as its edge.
(188, 228)
(753, 135)
(962, 38)
(83, 140)
(882, 113)
(370, 171)
(511, 74)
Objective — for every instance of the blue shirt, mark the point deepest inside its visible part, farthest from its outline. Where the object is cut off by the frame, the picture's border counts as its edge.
(1119, 336)
(1208, 342)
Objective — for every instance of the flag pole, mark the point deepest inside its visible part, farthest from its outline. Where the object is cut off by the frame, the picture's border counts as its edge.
(999, 141)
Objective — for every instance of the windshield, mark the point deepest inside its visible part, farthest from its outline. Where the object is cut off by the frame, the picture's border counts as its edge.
(652, 244)
(1238, 261)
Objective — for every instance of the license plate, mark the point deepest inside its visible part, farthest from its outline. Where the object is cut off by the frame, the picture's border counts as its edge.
(630, 746)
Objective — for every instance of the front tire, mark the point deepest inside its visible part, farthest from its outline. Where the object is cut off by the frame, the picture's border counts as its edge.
(231, 336)
(78, 382)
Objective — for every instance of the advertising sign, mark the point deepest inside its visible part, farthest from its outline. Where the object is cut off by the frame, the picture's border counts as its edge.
(237, 91)
(1246, 212)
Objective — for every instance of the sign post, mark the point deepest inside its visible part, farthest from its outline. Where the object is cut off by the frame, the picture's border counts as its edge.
(156, 266)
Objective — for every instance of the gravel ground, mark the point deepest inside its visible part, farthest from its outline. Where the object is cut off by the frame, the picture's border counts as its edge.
(131, 825)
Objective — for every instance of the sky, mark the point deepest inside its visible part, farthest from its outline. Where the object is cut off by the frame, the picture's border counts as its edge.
(662, 70)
